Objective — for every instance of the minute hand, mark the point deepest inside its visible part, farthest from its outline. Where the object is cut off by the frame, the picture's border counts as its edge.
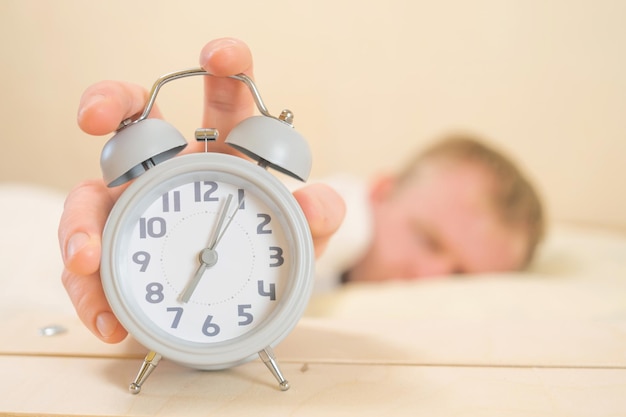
(230, 220)
(216, 235)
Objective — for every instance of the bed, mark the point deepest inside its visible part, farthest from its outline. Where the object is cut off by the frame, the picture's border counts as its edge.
(549, 341)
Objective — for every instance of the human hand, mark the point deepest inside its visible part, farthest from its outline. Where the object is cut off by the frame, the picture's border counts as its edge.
(102, 107)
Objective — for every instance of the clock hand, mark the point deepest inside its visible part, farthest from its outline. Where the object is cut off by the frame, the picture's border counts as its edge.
(216, 235)
(208, 256)
(230, 219)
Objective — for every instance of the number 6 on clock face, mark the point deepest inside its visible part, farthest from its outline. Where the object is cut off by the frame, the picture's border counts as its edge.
(211, 256)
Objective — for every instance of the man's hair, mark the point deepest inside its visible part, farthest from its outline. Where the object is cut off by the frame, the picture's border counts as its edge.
(515, 198)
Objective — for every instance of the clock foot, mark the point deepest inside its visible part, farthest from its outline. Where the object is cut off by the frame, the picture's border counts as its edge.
(149, 363)
(269, 359)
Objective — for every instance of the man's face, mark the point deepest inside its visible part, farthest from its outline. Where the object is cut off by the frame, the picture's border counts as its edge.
(440, 221)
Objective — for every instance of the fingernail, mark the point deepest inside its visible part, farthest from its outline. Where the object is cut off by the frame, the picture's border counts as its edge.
(106, 323)
(75, 244)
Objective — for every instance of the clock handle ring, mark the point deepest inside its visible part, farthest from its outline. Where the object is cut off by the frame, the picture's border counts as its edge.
(191, 72)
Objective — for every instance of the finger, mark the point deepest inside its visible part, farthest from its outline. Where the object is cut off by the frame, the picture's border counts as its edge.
(90, 303)
(226, 101)
(80, 228)
(324, 210)
(104, 105)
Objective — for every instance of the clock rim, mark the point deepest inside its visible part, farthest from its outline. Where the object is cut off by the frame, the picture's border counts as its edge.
(275, 327)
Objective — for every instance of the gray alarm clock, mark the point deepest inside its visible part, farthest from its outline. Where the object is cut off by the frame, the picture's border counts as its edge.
(207, 258)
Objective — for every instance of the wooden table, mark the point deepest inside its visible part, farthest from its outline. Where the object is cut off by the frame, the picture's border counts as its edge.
(550, 343)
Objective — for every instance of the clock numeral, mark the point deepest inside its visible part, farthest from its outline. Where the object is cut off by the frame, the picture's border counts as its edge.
(142, 258)
(154, 293)
(262, 228)
(174, 204)
(207, 195)
(179, 313)
(271, 293)
(276, 256)
(210, 329)
(153, 227)
(241, 199)
(246, 318)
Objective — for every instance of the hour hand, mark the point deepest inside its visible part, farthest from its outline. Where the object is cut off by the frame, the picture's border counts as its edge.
(191, 286)
(208, 258)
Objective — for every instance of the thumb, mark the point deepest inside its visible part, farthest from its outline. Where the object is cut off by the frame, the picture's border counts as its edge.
(80, 228)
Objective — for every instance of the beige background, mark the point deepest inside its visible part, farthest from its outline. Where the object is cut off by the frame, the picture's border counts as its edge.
(369, 82)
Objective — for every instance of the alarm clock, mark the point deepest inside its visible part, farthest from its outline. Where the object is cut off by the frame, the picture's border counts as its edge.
(207, 258)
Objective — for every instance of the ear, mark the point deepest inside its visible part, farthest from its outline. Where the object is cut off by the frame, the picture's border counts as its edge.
(382, 187)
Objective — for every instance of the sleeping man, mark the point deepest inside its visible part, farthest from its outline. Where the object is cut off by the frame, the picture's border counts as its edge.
(461, 207)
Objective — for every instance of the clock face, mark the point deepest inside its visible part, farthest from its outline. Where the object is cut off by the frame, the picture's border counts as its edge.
(206, 257)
